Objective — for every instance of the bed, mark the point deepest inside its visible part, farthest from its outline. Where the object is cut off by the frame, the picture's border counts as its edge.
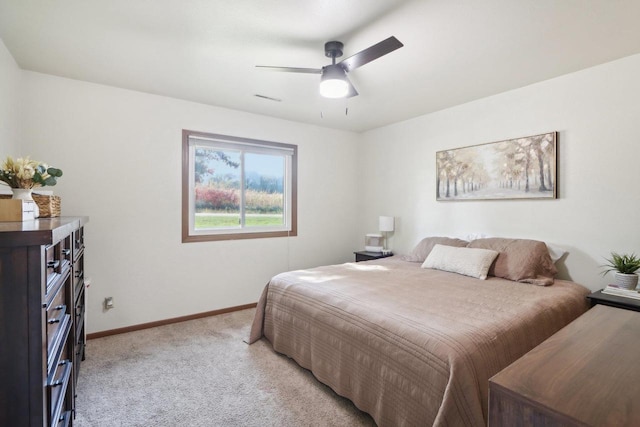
(416, 346)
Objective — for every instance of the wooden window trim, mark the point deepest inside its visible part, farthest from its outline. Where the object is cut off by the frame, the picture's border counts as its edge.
(187, 238)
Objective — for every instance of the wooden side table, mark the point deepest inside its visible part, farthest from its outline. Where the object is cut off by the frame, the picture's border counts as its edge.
(613, 301)
(368, 256)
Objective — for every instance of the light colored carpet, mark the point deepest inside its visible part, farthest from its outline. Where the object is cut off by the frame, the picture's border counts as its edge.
(201, 373)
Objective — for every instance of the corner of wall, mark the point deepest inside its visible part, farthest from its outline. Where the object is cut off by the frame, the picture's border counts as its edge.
(10, 86)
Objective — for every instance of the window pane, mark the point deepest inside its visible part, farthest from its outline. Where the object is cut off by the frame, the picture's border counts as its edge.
(217, 188)
(264, 190)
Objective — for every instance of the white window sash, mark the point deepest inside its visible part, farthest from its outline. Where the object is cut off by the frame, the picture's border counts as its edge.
(243, 147)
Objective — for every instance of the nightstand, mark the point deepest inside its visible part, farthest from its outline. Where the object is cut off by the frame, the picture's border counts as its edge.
(368, 256)
(613, 301)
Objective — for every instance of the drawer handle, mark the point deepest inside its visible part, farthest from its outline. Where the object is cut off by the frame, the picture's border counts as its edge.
(60, 382)
(53, 264)
(79, 273)
(66, 252)
(63, 309)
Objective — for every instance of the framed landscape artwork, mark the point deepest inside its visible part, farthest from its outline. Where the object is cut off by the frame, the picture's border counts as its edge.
(521, 168)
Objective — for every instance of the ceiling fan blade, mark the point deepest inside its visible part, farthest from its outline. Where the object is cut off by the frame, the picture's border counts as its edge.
(371, 53)
(292, 69)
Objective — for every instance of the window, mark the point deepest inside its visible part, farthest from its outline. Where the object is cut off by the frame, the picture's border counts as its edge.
(237, 188)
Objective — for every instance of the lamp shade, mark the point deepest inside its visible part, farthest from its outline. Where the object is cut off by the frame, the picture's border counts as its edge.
(333, 83)
(386, 223)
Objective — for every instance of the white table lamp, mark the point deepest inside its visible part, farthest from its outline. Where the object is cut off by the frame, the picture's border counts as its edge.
(386, 225)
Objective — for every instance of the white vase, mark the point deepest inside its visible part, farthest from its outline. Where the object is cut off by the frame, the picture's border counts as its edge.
(25, 194)
(626, 281)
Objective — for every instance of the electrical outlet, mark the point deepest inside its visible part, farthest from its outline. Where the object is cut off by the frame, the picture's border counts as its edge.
(108, 303)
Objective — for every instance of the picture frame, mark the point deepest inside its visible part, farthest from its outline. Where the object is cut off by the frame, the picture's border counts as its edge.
(519, 168)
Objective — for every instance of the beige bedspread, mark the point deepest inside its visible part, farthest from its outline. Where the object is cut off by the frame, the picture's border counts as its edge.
(410, 346)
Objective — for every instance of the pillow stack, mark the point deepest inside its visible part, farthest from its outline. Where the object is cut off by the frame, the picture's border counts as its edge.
(519, 260)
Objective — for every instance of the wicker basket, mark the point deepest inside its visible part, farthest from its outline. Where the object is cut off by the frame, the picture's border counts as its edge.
(49, 206)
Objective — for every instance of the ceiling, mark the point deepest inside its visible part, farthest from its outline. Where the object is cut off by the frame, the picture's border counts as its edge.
(206, 51)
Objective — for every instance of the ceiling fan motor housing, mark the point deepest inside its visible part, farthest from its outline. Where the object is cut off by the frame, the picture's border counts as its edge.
(333, 49)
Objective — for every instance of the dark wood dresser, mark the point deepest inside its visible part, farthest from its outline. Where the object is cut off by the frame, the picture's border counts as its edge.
(42, 307)
(587, 374)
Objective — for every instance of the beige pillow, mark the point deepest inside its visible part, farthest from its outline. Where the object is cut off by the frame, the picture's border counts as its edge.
(467, 261)
(520, 260)
(422, 249)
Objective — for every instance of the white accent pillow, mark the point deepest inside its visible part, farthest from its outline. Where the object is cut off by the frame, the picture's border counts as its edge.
(474, 262)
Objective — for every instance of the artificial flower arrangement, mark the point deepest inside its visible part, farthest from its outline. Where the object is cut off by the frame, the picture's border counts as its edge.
(27, 173)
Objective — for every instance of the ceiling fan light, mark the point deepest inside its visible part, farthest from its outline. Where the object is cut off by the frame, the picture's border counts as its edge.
(334, 88)
(333, 83)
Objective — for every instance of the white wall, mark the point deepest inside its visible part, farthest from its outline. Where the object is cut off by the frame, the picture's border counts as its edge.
(596, 113)
(10, 77)
(120, 152)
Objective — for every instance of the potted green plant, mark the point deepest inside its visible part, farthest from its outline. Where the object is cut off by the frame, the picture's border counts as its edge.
(625, 267)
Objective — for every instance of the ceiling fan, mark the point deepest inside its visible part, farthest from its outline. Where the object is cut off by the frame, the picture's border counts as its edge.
(333, 81)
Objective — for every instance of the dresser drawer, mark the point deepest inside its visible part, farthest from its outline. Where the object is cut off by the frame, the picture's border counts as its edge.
(57, 347)
(66, 248)
(53, 263)
(79, 310)
(57, 310)
(79, 351)
(78, 275)
(57, 387)
(79, 339)
(78, 242)
(64, 420)
(57, 266)
(58, 322)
